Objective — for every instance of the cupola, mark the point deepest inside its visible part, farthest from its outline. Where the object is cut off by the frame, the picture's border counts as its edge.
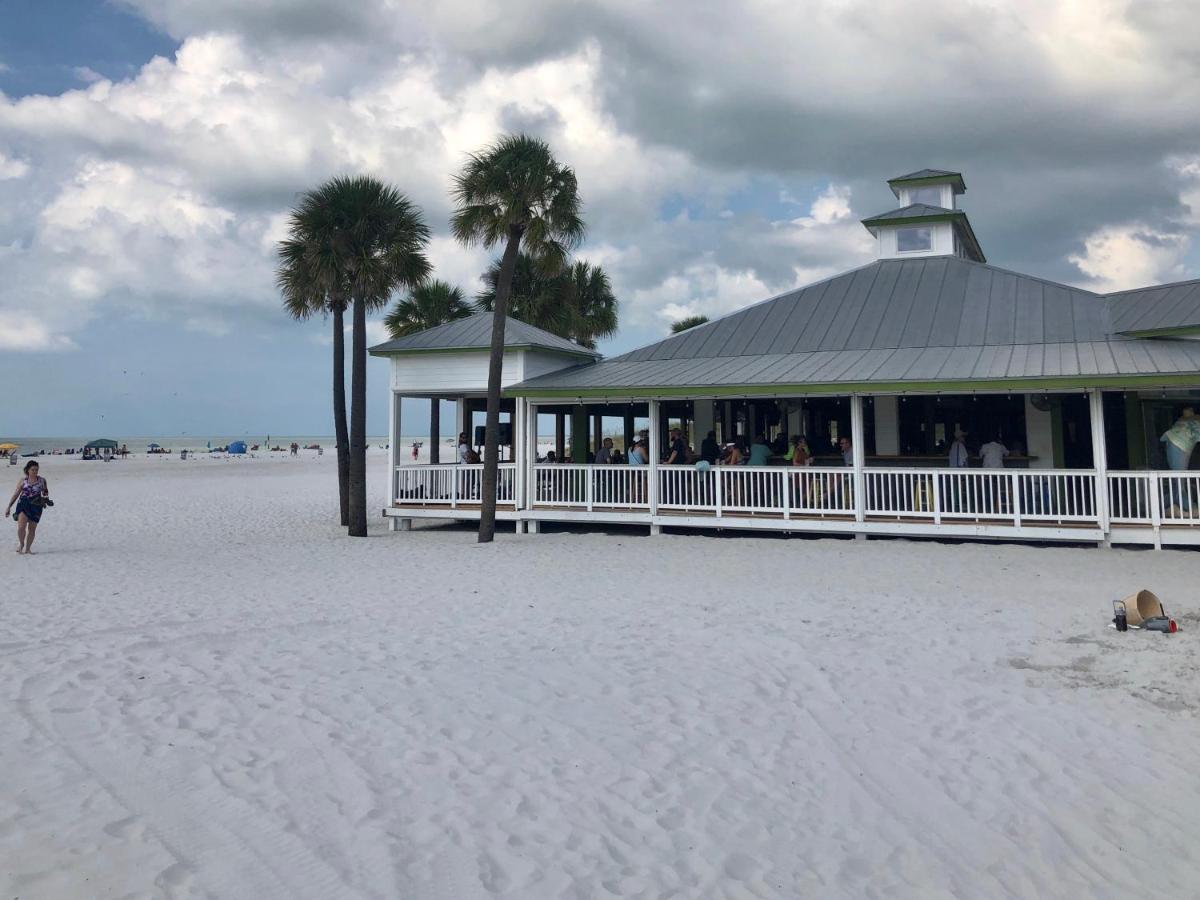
(928, 221)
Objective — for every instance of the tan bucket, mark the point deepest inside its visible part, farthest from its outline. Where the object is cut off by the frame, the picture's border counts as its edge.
(1141, 606)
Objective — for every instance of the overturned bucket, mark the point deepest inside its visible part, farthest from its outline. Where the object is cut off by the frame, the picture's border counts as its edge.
(1141, 606)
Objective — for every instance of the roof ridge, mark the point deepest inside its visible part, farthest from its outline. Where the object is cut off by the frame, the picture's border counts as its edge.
(1150, 287)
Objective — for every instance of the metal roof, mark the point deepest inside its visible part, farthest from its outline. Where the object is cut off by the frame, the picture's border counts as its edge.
(1162, 308)
(895, 320)
(475, 333)
(929, 176)
(912, 211)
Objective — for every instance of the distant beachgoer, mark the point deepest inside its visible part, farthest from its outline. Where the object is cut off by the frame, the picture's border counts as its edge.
(31, 497)
(710, 450)
(415, 450)
(550, 457)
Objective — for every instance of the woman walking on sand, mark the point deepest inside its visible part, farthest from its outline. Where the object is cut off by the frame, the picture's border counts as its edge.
(31, 496)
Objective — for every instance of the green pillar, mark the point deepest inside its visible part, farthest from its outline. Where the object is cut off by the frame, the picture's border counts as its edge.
(579, 434)
(1135, 430)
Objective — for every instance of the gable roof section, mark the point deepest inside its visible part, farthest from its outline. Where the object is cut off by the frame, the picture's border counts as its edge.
(1159, 310)
(475, 333)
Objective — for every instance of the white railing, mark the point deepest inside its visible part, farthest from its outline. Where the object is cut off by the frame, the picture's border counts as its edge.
(1005, 496)
(590, 487)
(1154, 498)
(773, 490)
(450, 485)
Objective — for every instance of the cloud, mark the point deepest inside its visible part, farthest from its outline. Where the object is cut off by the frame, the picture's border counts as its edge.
(23, 332)
(12, 168)
(87, 75)
(1129, 256)
(697, 138)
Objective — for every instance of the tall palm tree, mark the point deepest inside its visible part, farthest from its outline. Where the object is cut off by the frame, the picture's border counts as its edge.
(687, 322)
(304, 278)
(593, 305)
(513, 193)
(368, 239)
(426, 306)
(576, 303)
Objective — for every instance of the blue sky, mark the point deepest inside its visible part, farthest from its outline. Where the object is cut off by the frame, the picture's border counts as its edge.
(150, 149)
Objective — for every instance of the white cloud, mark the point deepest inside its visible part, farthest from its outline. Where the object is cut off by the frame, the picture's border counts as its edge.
(87, 74)
(12, 168)
(23, 331)
(1129, 256)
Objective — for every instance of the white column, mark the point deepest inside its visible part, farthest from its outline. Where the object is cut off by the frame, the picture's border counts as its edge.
(460, 423)
(859, 452)
(393, 456)
(519, 452)
(530, 438)
(1099, 457)
(1039, 436)
(652, 463)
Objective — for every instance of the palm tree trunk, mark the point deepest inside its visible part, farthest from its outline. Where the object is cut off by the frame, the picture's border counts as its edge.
(435, 428)
(358, 421)
(491, 438)
(339, 413)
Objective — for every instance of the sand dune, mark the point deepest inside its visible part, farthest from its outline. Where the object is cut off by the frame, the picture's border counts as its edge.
(209, 691)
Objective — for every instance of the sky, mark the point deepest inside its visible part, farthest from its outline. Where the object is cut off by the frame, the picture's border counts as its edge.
(150, 151)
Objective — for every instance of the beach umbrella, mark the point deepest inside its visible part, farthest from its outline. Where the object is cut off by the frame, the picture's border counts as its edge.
(237, 447)
(8, 446)
(156, 446)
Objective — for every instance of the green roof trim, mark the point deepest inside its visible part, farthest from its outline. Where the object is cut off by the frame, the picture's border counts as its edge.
(1014, 385)
(929, 218)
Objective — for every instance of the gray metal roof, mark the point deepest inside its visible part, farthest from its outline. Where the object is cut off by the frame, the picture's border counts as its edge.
(475, 333)
(921, 174)
(913, 211)
(1158, 308)
(929, 319)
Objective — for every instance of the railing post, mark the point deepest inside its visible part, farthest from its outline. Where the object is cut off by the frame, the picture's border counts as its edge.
(1015, 497)
(454, 486)
(785, 499)
(1156, 509)
(1099, 459)
(936, 478)
(590, 487)
(717, 499)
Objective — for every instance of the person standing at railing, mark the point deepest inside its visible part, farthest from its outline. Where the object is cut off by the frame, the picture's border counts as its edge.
(637, 454)
(799, 459)
(604, 454)
(959, 457)
(464, 449)
(760, 453)
(678, 451)
(710, 450)
(992, 454)
(1181, 439)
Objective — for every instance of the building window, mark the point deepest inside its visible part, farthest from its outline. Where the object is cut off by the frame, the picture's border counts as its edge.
(930, 196)
(910, 240)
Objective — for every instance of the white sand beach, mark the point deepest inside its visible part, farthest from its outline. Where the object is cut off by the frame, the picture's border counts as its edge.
(210, 691)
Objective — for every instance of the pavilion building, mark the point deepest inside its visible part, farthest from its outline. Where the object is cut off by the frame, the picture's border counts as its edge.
(927, 341)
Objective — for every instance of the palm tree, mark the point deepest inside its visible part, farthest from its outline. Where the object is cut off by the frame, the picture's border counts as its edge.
(304, 278)
(517, 194)
(577, 303)
(535, 297)
(366, 239)
(593, 305)
(687, 322)
(427, 305)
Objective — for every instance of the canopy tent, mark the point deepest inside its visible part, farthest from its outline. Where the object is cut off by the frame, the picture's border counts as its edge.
(154, 446)
(101, 444)
(237, 447)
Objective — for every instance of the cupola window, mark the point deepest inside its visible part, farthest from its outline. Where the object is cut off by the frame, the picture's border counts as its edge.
(911, 240)
(930, 196)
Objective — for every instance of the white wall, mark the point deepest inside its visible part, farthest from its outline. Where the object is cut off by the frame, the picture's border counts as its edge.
(467, 371)
(1039, 431)
(887, 426)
